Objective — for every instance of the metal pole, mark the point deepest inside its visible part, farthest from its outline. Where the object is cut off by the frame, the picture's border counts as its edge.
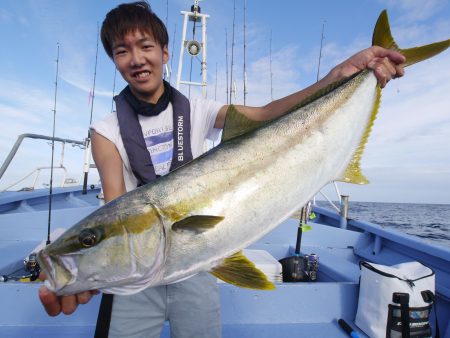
(343, 211)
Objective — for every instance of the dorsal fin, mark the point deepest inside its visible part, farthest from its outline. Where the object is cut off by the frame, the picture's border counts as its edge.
(237, 124)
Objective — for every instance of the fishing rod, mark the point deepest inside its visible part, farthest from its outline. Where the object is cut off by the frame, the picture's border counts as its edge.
(171, 57)
(87, 153)
(232, 52)
(245, 49)
(215, 87)
(53, 150)
(226, 61)
(270, 67)
(320, 51)
(114, 89)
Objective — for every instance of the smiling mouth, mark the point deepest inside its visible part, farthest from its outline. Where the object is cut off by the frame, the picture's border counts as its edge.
(142, 75)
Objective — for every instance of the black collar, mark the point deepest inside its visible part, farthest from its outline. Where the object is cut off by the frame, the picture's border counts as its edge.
(145, 108)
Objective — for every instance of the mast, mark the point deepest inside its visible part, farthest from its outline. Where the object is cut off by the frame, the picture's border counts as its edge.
(194, 48)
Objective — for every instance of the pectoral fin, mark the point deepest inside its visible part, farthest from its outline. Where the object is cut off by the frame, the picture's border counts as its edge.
(240, 271)
(197, 223)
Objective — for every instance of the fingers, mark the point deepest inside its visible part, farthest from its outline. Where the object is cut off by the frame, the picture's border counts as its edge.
(84, 297)
(69, 304)
(385, 70)
(54, 304)
(392, 55)
(50, 301)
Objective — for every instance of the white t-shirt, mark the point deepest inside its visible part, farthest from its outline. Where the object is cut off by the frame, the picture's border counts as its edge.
(158, 135)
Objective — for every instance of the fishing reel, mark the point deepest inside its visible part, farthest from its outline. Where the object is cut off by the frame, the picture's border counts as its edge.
(300, 268)
(311, 266)
(26, 270)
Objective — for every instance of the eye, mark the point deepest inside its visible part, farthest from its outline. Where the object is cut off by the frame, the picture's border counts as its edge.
(88, 238)
(119, 52)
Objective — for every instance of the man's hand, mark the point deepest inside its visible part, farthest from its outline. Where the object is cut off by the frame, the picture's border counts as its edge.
(386, 64)
(54, 304)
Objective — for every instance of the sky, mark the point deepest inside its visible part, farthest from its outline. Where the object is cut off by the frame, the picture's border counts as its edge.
(407, 158)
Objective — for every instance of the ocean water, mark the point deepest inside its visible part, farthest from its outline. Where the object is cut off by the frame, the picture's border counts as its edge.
(431, 222)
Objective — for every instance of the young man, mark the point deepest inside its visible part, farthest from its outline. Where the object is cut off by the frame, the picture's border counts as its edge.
(136, 145)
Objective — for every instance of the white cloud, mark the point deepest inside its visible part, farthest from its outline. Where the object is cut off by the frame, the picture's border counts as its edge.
(416, 10)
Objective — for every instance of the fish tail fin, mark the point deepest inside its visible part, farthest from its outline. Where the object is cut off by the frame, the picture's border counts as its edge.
(382, 37)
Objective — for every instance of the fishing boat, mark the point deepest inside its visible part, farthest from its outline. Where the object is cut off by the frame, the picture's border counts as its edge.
(311, 306)
(302, 309)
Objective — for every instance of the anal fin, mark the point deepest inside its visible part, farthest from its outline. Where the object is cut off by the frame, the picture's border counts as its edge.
(240, 271)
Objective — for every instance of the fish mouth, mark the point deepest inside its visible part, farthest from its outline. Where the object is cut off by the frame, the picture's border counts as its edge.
(60, 271)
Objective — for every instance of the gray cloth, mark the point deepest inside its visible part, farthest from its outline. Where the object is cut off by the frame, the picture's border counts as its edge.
(192, 308)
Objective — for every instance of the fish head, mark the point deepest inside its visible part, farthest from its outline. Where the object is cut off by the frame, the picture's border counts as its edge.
(113, 250)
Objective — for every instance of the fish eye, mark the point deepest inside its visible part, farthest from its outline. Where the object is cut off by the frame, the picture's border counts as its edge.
(87, 238)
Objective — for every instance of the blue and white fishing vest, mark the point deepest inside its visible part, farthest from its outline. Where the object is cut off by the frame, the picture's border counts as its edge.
(133, 138)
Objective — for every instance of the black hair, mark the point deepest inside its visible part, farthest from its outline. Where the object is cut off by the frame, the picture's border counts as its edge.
(130, 17)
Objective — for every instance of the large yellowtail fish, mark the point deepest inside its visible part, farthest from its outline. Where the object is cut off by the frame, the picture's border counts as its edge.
(200, 217)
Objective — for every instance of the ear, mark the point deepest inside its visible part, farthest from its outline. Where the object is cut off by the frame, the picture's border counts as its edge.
(165, 54)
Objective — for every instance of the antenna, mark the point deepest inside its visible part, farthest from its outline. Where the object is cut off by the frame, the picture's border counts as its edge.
(245, 48)
(87, 154)
(320, 52)
(53, 150)
(232, 51)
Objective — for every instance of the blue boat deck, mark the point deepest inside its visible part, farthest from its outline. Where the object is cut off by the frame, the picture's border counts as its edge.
(299, 310)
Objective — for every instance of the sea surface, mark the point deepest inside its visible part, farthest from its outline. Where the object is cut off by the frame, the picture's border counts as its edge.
(431, 222)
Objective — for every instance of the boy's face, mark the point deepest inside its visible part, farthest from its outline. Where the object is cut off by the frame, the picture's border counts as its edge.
(139, 58)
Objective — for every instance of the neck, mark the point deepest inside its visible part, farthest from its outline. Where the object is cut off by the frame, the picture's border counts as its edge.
(149, 97)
